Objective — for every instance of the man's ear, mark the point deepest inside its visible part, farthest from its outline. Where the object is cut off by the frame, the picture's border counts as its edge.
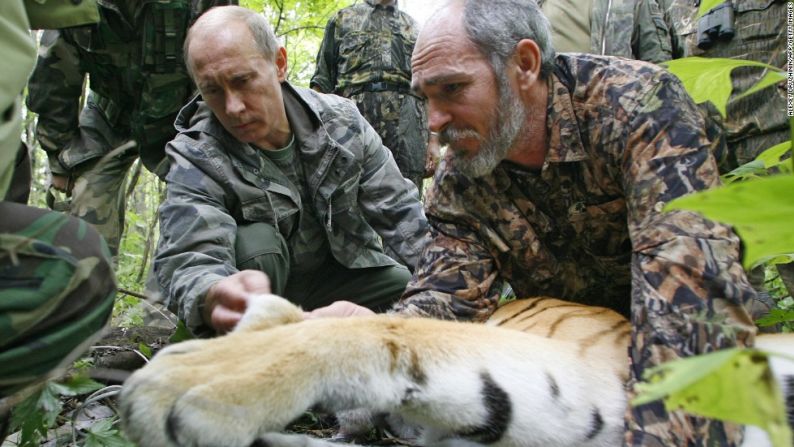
(528, 62)
(281, 64)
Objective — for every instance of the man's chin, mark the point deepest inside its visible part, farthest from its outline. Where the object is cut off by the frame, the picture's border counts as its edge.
(470, 167)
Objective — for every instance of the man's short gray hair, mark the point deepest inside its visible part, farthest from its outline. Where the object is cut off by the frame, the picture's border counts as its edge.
(496, 26)
(265, 39)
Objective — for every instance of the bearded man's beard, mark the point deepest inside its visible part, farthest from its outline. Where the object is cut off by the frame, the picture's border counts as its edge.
(507, 125)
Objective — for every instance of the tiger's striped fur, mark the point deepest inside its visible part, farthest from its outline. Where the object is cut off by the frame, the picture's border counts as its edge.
(542, 372)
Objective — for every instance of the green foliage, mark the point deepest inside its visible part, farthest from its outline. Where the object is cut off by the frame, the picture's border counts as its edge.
(759, 210)
(733, 385)
(145, 350)
(182, 333)
(38, 413)
(127, 312)
(707, 5)
(300, 25)
(105, 434)
(771, 159)
(709, 79)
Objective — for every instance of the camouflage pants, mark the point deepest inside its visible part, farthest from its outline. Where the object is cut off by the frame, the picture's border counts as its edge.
(19, 190)
(56, 292)
(99, 170)
(401, 121)
(260, 247)
(98, 196)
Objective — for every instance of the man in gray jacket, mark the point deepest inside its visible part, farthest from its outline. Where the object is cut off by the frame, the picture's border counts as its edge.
(276, 188)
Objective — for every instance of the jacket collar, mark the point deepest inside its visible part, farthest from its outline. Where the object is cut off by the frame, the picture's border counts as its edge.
(303, 120)
(563, 138)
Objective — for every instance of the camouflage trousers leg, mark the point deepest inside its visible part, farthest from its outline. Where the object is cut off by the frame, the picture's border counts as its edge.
(400, 120)
(99, 195)
(259, 246)
(56, 293)
(19, 190)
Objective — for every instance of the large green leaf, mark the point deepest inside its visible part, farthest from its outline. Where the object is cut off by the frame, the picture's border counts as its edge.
(760, 210)
(766, 160)
(733, 385)
(707, 5)
(105, 434)
(709, 79)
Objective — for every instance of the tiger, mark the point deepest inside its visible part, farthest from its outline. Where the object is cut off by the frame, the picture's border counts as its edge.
(539, 372)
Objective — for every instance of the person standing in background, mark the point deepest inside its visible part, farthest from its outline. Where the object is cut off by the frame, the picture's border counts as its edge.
(137, 82)
(365, 55)
(627, 28)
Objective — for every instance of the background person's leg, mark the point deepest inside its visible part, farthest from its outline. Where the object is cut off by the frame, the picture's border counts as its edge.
(376, 288)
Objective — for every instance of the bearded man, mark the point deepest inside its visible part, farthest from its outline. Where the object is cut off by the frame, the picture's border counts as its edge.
(557, 173)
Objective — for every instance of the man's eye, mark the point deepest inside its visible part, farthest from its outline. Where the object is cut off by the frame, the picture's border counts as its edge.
(210, 91)
(451, 88)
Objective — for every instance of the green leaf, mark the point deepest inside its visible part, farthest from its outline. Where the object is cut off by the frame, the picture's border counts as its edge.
(732, 385)
(709, 79)
(708, 5)
(145, 350)
(760, 211)
(776, 316)
(78, 384)
(773, 156)
(753, 169)
(104, 434)
(770, 78)
(182, 333)
(766, 160)
(28, 419)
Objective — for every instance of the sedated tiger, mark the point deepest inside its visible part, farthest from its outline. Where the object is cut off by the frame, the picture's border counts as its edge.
(540, 372)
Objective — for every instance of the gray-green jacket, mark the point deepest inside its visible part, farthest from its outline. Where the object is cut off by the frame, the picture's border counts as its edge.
(216, 182)
(629, 28)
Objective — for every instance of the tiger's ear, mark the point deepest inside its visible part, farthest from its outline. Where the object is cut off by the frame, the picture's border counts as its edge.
(266, 311)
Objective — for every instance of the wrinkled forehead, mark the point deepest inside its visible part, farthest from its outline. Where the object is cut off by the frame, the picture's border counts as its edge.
(441, 54)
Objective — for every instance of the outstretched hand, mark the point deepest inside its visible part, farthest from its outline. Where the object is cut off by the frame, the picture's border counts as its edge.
(227, 299)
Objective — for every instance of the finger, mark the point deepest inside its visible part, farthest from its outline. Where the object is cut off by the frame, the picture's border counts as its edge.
(255, 281)
(225, 319)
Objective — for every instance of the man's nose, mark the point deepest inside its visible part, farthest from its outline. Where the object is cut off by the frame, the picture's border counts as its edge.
(234, 104)
(438, 118)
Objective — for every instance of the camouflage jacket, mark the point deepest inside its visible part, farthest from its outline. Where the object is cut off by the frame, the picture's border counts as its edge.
(19, 54)
(623, 140)
(633, 29)
(363, 44)
(758, 121)
(216, 182)
(138, 80)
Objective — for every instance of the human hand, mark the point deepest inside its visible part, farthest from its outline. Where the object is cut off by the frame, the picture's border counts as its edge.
(432, 156)
(340, 309)
(62, 183)
(227, 299)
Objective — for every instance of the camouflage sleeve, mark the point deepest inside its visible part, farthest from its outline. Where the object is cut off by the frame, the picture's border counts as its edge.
(457, 276)
(650, 40)
(324, 78)
(197, 236)
(54, 92)
(689, 290)
(389, 201)
(56, 293)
